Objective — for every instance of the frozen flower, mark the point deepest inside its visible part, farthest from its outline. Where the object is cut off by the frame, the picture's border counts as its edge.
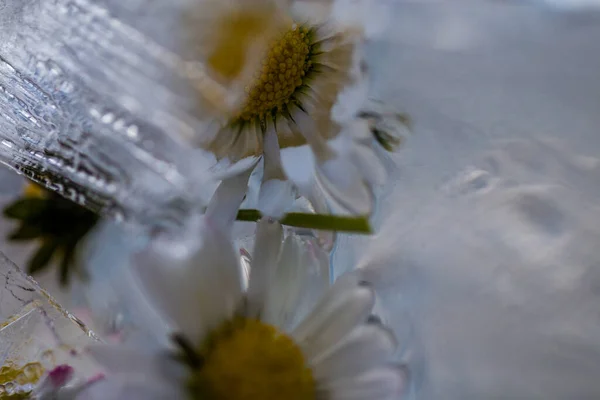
(265, 335)
(55, 385)
(301, 80)
(58, 224)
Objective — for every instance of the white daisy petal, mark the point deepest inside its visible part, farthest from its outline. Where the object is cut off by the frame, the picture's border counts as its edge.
(284, 130)
(194, 289)
(301, 277)
(309, 129)
(310, 10)
(359, 130)
(364, 348)
(162, 286)
(370, 165)
(223, 206)
(269, 236)
(244, 144)
(231, 170)
(211, 130)
(216, 283)
(276, 197)
(223, 142)
(346, 304)
(314, 263)
(285, 293)
(272, 155)
(277, 194)
(342, 180)
(383, 383)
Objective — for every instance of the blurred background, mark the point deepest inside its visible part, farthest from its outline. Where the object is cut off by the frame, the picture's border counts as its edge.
(487, 254)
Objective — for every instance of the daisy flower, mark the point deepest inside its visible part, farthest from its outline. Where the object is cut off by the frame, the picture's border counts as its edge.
(270, 334)
(301, 80)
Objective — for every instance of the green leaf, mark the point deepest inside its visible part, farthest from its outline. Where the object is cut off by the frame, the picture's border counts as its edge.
(315, 221)
(42, 257)
(25, 232)
(25, 209)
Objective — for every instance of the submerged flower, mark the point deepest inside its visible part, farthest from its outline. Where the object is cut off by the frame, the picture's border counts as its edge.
(268, 334)
(304, 83)
(55, 385)
(56, 222)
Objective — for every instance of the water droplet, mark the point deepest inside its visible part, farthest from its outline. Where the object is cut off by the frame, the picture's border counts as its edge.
(108, 118)
(32, 370)
(133, 132)
(48, 357)
(9, 387)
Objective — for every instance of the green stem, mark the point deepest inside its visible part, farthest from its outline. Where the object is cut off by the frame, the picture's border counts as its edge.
(314, 221)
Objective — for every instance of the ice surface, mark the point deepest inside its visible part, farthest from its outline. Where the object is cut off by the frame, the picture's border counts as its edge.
(92, 97)
(35, 329)
(488, 246)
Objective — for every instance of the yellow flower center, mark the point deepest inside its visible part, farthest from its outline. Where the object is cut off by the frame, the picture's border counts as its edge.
(246, 359)
(283, 69)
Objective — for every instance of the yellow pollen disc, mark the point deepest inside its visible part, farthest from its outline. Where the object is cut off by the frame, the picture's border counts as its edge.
(246, 359)
(282, 72)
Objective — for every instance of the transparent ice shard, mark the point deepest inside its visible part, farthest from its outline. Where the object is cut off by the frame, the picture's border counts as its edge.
(36, 334)
(93, 98)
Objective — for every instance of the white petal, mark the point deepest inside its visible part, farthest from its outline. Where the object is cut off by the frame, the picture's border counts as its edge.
(222, 142)
(223, 206)
(210, 131)
(317, 143)
(340, 178)
(284, 130)
(301, 277)
(315, 11)
(272, 155)
(347, 304)
(369, 165)
(216, 282)
(198, 290)
(299, 164)
(384, 383)
(269, 236)
(276, 197)
(161, 285)
(284, 294)
(237, 168)
(349, 104)
(277, 194)
(359, 130)
(248, 141)
(366, 347)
